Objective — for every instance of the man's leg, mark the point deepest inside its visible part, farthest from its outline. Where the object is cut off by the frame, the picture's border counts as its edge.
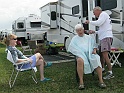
(107, 60)
(102, 62)
(105, 47)
(101, 59)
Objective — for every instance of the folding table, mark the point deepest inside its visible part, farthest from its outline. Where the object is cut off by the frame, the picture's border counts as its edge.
(114, 55)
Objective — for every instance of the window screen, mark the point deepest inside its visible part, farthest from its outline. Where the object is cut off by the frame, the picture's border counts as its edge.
(35, 24)
(106, 4)
(53, 15)
(75, 9)
(20, 25)
(85, 8)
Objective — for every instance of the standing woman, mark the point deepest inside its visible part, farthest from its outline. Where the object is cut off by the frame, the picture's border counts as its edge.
(35, 60)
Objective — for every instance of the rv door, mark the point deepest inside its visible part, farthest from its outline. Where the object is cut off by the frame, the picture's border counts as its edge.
(91, 5)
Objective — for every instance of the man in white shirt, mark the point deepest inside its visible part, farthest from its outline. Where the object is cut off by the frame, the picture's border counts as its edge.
(105, 36)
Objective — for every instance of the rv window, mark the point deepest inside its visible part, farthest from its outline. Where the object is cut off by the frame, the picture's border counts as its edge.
(85, 8)
(75, 9)
(53, 15)
(12, 26)
(106, 4)
(35, 24)
(20, 25)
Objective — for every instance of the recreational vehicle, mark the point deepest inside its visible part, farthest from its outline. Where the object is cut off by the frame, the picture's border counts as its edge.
(59, 19)
(28, 28)
(4, 33)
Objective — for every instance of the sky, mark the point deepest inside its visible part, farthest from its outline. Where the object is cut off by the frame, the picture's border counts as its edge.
(11, 10)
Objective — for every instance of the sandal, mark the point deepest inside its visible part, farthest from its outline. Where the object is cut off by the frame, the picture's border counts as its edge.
(81, 87)
(45, 79)
(102, 85)
(48, 64)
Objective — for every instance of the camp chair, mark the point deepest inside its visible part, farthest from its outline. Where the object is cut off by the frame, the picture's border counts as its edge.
(18, 69)
(25, 48)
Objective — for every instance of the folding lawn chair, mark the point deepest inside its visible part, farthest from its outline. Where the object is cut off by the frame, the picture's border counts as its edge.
(18, 69)
(25, 48)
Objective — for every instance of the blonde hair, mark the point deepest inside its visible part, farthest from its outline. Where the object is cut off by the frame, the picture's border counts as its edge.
(8, 38)
(78, 26)
(97, 8)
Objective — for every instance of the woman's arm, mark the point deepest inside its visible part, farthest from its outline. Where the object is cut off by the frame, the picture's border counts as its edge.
(17, 55)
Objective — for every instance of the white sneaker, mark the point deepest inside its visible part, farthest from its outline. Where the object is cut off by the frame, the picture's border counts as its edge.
(108, 76)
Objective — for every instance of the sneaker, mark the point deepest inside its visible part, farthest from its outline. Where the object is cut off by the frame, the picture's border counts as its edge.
(45, 79)
(81, 87)
(48, 64)
(102, 85)
(108, 76)
(103, 71)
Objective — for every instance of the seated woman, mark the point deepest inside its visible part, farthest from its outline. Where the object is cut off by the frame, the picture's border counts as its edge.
(35, 60)
(83, 47)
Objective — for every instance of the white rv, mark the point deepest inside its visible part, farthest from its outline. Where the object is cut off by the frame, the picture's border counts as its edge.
(4, 33)
(28, 28)
(59, 19)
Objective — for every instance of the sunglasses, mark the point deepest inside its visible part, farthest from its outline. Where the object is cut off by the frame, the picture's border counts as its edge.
(14, 38)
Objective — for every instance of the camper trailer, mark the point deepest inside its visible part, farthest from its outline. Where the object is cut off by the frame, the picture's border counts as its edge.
(28, 28)
(59, 19)
(4, 33)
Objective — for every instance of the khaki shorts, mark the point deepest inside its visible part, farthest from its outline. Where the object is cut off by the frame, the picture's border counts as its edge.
(105, 44)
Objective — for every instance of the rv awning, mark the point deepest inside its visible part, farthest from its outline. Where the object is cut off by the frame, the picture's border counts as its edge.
(35, 21)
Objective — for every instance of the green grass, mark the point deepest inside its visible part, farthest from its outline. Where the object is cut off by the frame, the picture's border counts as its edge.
(63, 79)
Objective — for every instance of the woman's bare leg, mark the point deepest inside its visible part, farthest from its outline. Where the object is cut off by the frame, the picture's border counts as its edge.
(99, 72)
(80, 69)
(40, 63)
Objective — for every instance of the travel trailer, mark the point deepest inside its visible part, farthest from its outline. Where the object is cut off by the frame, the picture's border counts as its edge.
(59, 19)
(4, 33)
(28, 28)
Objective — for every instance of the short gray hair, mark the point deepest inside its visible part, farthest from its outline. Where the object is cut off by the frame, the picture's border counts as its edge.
(78, 26)
(97, 8)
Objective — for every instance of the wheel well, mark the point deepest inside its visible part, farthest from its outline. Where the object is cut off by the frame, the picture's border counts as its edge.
(45, 36)
(65, 40)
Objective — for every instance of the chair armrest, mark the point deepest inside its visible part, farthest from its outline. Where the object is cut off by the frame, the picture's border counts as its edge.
(25, 46)
(24, 62)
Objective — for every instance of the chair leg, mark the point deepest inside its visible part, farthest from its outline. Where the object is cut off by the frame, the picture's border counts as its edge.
(33, 75)
(11, 83)
(93, 73)
(30, 51)
(10, 80)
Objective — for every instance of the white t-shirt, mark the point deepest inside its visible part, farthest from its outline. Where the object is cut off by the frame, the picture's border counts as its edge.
(105, 27)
